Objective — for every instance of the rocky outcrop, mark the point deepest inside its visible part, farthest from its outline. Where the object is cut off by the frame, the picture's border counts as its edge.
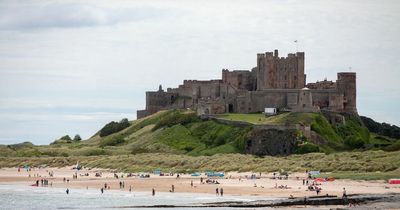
(266, 141)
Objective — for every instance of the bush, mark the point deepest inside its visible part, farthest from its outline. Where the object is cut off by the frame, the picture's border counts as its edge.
(353, 142)
(77, 137)
(384, 129)
(306, 148)
(94, 152)
(66, 137)
(114, 127)
(176, 117)
(112, 140)
(393, 147)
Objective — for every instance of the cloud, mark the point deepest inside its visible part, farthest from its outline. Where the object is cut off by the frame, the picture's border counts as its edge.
(18, 16)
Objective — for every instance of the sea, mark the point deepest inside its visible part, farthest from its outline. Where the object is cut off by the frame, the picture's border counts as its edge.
(29, 197)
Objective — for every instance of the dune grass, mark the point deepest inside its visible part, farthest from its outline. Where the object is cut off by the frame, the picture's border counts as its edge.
(354, 165)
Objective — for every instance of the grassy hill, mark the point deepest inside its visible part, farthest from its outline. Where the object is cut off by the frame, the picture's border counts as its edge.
(182, 132)
(178, 140)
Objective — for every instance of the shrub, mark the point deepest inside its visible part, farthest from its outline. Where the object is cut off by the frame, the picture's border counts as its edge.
(393, 147)
(176, 117)
(77, 137)
(384, 129)
(306, 148)
(94, 152)
(66, 137)
(114, 127)
(353, 142)
(112, 140)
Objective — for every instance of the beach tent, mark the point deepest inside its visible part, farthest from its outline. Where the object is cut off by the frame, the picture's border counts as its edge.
(314, 173)
(215, 174)
(394, 181)
(195, 174)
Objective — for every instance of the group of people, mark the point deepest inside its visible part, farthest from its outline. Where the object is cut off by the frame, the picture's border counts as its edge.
(219, 192)
(121, 185)
(43, 183)
(212, 181)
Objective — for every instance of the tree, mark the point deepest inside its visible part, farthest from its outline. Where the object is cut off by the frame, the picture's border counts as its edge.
(114, 127)
(77, 137)
(66, 137)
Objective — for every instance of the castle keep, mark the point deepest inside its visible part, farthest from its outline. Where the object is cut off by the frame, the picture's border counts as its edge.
(276, 82)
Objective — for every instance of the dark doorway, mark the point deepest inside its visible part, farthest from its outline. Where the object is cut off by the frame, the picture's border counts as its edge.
(230, 108)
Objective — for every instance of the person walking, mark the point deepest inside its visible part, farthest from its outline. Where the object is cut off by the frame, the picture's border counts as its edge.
(216, 191)
(221, 191)
(153, 192)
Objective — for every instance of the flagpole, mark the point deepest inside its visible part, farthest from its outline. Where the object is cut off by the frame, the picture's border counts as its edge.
(297, 46)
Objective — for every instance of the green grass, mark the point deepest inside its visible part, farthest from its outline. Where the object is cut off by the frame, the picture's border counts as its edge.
(280, 119)
(179, 137)
(321, 126)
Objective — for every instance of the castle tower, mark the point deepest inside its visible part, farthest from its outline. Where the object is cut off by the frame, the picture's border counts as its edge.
(346, 84)
(274, 72)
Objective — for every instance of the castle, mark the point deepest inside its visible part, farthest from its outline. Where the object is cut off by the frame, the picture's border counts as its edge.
(276, 82)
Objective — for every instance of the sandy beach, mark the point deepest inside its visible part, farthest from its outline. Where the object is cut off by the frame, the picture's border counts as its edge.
(233, 183)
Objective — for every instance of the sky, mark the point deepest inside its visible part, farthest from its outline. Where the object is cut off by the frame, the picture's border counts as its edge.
(69, 67)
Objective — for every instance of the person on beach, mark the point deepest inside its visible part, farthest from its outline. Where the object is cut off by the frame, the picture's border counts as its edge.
(67, 191)
(130, 188)
(172, 188)
(102, 190)
(201, 180)
(153, 192)
(191, 183)
(216, 191)
(344, 193)
(120, 185)
(221, 191)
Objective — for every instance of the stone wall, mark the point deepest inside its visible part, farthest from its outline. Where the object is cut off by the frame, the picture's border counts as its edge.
(239, 79)
(264, 141)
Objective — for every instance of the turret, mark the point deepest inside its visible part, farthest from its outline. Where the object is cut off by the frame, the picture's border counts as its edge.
(346, 84)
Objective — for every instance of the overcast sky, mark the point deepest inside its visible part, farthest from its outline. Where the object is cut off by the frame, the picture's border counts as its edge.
(69, 67)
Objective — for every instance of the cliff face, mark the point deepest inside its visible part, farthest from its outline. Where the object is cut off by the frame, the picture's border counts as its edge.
(263, 141)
